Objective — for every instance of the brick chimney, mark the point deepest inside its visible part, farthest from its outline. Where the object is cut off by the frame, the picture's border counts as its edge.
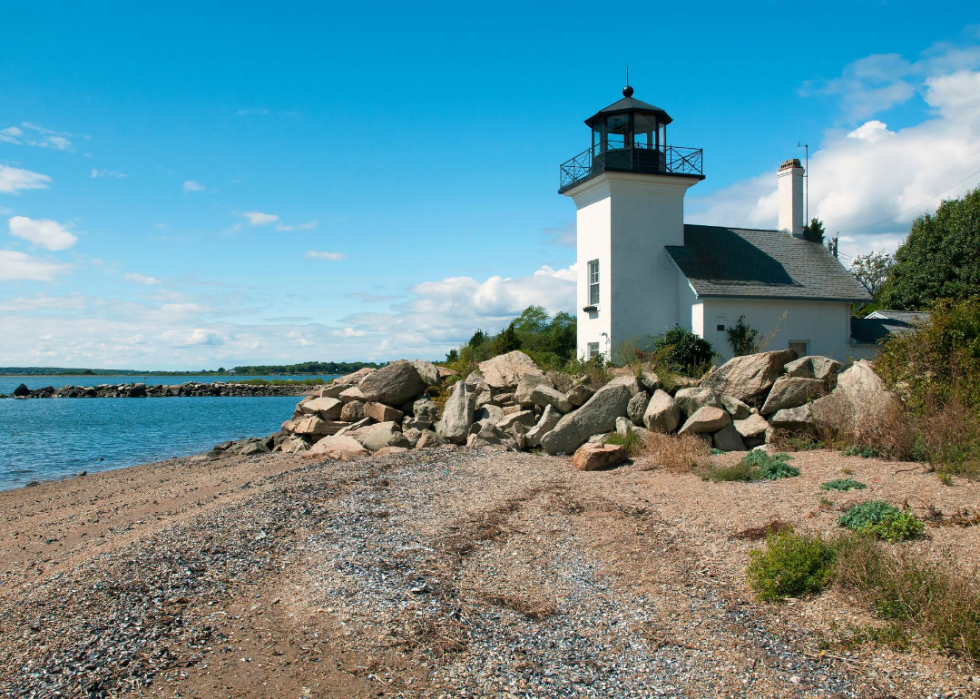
(791, 197)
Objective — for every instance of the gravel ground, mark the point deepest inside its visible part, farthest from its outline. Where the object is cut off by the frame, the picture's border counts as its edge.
(444, 573)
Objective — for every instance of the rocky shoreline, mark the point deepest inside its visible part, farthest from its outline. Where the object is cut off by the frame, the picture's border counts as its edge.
(185, 390)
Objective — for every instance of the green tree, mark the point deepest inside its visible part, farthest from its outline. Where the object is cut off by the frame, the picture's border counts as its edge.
(940, 259)
(507, 340)
(872, 271)
(814, 230)
(743, 338)
(687, 352)
(452, 356)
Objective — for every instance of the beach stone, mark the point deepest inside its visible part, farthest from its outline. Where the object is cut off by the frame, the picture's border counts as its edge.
(543, 395)
(728, 439)
(339, 448)
(594, 457)
(326, 408)
(21, 391)
(379, 436)
(708, 419)
(522, 394)
(353, 411)
(253, 447)
(549, 418)
(379, 412)
(429, 439)
(333, 390)
(690, 400)
(751, 427)
(294, 445)
(314, 425)
(392, 384)
(425, 410)
(489, 413)
(579, 395)
(412, 434)
(427, 371)
(792, 392)
(507, 370)
(794, 419)
(350, 394)
(628, 380)
(524, 417)
(356, 377)
(598, 415)
(662, 413)
(491, 437)
(637, 406)
(750, 376)
(384, 451)
(649, 380)
(814, 367)
(736, 408)
(457, 414)
(624, 426)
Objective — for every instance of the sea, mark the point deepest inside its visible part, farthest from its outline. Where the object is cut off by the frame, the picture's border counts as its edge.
(53, 438)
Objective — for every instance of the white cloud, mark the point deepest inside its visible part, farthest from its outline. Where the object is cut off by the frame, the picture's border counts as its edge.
(108, 173)
(141, 279)
(201, 336)
(308, 226)
(192, 186)
(36, 136)
(16, 266)
(349, 332)
(873, 173)
(334, 256)
(13, 180)
(257, 218)
(44, 232)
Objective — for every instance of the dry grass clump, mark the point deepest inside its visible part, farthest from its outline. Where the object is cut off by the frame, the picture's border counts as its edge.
(678, 453)
(934, 598)
(775, 526)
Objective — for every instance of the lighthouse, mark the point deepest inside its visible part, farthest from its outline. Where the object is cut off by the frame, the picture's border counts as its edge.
(628, 187)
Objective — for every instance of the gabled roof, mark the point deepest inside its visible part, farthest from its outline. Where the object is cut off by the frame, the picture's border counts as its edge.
(880, 325)
(629, 104)
(746, 263)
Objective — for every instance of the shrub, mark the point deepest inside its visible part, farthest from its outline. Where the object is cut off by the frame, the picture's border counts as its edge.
(631, 441)
(682, 454)
(843, 484)
(742, 338)
(871, 512)
(865, 452)
(684, 351)
(884, 521)
(741, 471)
(772, 467)
(790, 565)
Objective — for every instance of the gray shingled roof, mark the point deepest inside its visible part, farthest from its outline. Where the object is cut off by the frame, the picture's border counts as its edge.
(880, 325)
(740, 262)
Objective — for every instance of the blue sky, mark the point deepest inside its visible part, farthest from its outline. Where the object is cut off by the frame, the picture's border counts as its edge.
(251, 183)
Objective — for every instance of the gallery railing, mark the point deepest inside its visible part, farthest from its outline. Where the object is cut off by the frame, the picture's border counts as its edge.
(669, 160)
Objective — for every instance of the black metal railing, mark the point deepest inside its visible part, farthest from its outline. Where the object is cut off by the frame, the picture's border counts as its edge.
(668, 160)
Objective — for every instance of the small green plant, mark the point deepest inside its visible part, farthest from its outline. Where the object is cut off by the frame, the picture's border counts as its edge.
(884, 521)
(725, 474)
(688, 353)
(771, 467)
(743, 338)
(715, 451)
(847, 471)
(631, 441)
(866, 513)
(843, 484)
(791, 565)
(826, 503)
(864, 452)
(944, 477)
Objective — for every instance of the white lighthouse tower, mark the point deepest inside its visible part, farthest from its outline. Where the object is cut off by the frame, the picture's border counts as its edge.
(628, 188)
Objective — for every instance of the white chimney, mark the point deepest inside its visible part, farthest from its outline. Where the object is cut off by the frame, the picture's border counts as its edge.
(791, 197)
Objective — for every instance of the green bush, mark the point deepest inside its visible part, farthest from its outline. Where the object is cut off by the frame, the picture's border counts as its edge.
(756, 466)
(871, 512)
(631, 440)
(843, 484)
(884, 521)
(685, 352)
(791, 565)
(723, 474)
(865, 452)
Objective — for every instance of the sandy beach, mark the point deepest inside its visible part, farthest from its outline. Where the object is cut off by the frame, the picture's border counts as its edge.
(443, 572)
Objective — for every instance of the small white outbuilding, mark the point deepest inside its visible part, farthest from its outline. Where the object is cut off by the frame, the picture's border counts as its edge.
(643, 271)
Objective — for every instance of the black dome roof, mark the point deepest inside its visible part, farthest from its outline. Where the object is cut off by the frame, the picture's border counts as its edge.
(629, 104)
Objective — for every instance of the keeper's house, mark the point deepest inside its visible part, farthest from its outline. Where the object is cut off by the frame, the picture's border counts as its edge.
(642, 270)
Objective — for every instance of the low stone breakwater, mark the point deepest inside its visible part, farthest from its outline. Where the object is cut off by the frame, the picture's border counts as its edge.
(141, 390)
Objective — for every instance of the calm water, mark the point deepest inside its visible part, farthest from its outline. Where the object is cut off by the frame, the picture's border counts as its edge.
(49, 438)
(9, 383)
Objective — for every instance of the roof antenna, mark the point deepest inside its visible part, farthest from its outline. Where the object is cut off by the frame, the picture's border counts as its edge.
(627, 91)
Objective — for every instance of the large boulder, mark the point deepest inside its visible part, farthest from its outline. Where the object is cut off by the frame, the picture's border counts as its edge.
(295, 445)
(749, 377)
(429, 439)
(799, 419)
(326, 408)
(522, 394)
(728, 439)
(392, 384)
(628, 380)
(353, 411)
(333, 390)
(861, 403)
(425, 410)
(543, 395)
(706, 420)
(690, 400)
(314, 426)
(814, 367)
(752, 427)
(522, 417)
(549, 418)
(338, 447)
(21, 391)
(662, 413)
(356, 377)
(597, 416)
(649, 379)
(480, 389)
(457, 414)
(379, 412)
(792, 392)
(491, 437)
(637, 407)
(381, 435)
(579, 394)
(351, 394)
(506, 370)
(428, 372)
(489, 413)
(736, 408)
(594, 457)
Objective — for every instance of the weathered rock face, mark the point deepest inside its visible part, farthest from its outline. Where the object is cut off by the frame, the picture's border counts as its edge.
(429, 439)
(338, 447)
(814, 367)
(457, 414)
(480, 389)
(293, 445)
(706, 420)
(522, 394)
(860, 403)
(428, 372)
(392, 384)
(549, 418)
(597, 416)
(579, 394)
(326, 408)
(426, 410)
(354, 378)
(795, 419)
(792, 392)
(491, 437)
(736, 408)
(543, 395)
(628, 380)
(523, 417)
(351, 394)
(748, 377)
(508, 369)
(728, 439)
(384, 434)
(649, 380)
(253, 447)
(333, 390)
(637, 406)
(624, 426)
(662, 413)
(689, 400)
(489, 413)
(379, 412)
(314, 426)
(752, 426)
(593, 457)
(353, 411)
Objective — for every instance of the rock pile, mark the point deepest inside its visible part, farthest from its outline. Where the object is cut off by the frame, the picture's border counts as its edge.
(511, 404)
(141, 390)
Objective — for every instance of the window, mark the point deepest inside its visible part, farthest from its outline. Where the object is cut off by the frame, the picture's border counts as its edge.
(801, 347)
(720, 327)
(593, 350)
(593, 282)
(618, 132)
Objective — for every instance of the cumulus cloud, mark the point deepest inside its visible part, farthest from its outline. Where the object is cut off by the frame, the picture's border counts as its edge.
(192, 186)
(257, 218)
(141, 279)
(333, 256)
(36, 136)
(201, 336)
(16, 266)
(44, 232)
(870, 182)
(13, 180)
